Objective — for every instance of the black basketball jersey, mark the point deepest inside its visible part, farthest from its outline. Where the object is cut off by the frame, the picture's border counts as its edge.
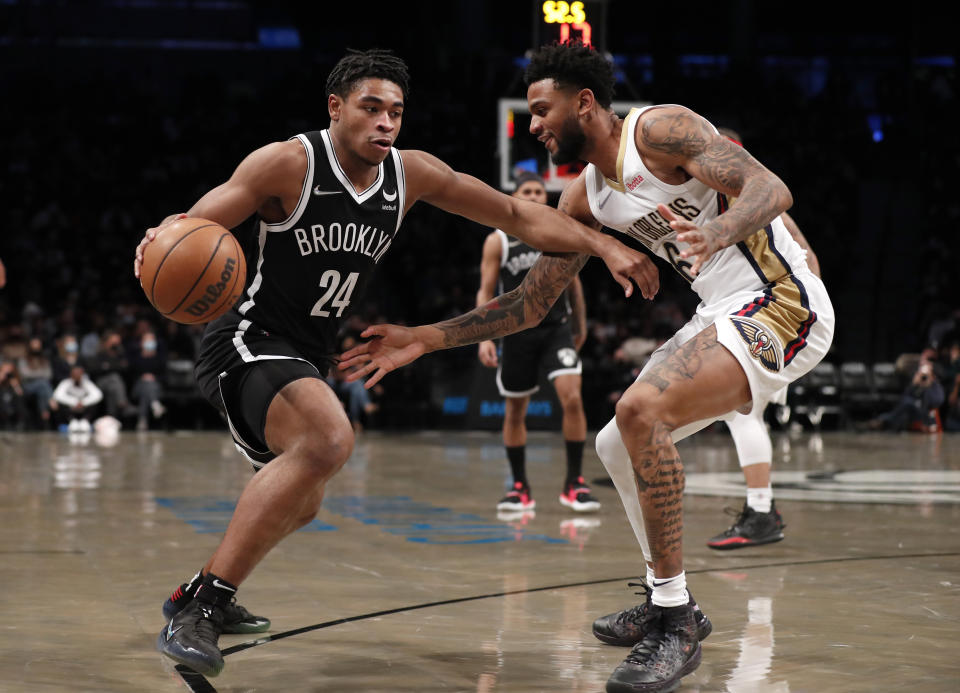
(516, 259)
(312, 269)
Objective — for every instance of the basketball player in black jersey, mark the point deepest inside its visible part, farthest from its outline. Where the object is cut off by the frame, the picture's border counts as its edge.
(328, 206)
(553, 346)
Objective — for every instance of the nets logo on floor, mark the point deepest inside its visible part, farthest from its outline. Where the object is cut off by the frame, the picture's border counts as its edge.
(902, 486)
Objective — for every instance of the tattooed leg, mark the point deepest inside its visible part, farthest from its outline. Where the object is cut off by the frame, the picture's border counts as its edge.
(700, 380)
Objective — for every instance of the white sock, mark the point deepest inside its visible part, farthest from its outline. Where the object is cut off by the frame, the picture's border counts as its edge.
(760, 499)
(670, 591)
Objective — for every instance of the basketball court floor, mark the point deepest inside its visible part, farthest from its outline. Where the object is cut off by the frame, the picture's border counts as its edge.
(409, 581)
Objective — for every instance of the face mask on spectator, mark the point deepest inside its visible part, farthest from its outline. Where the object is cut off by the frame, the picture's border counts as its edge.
(71, 347)
(149, 345)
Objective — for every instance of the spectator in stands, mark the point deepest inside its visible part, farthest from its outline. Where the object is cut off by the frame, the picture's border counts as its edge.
(109, 369)
(77, 398)
(951, 383)
(67, 356)
(13, 411)
(918, 404)
(147, 367)
(36, 376)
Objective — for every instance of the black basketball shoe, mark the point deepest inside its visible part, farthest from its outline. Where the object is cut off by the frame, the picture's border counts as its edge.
(191, 638)
(628, 627)
(670, 651)
(236, 619)
(750, 529)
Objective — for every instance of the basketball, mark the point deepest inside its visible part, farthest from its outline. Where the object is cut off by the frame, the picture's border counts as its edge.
(193, 271)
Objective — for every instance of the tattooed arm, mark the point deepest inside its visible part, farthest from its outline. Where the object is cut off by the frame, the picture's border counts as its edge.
(393, 346)
(674, 140)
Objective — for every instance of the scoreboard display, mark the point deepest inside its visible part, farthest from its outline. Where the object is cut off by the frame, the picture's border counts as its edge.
(558, 20)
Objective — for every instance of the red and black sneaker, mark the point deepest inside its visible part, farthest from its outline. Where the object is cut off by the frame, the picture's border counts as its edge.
(751, 529)
(577, 496)
(517, 498)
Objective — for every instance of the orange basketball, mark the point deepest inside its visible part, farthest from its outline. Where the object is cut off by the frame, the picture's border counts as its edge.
(193, 271)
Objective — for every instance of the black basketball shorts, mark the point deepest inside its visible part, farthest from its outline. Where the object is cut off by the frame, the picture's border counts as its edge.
(240, 370)
(525, 355)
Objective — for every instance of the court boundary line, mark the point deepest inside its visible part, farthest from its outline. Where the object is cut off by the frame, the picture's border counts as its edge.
(197, 683)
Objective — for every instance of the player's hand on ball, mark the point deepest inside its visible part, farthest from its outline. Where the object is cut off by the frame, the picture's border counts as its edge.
(150, 234)
(389, 348)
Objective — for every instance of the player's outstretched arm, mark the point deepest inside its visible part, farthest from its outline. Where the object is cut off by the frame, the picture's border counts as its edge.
(393, 346)
(676, 136)
(545, 228)
(264, 175)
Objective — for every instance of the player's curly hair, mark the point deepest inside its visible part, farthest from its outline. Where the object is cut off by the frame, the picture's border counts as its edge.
(358, 65)
(573, 64)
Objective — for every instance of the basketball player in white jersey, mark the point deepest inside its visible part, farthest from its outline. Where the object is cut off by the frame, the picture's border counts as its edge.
(759, 522)
(664, 176)
(327, 206)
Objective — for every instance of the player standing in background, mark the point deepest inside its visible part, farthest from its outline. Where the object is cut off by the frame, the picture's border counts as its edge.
(759, 522)
(328, 205)
(554, 345)
(664, 176)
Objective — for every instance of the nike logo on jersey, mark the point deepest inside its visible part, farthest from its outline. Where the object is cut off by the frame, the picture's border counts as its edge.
(389, 197)
(318, 191)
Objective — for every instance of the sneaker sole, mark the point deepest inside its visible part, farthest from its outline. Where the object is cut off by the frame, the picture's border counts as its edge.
(740, 543)
(188, 658)
(671, 684)
(516, 507)
(704, 628)
(580, 507)
(239, 628)
(243, 628)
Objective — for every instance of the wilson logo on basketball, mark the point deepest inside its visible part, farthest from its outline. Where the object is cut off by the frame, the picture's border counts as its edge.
(214, 291)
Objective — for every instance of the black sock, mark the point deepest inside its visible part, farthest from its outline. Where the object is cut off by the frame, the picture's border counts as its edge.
(518, 467)
(194, 583)
(574, 460)
(215, 591)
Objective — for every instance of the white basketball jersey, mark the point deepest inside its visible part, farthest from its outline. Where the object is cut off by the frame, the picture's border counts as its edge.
(629, 205)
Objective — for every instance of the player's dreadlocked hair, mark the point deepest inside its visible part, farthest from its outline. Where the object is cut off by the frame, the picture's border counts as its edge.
(357, 65)
(573, 64)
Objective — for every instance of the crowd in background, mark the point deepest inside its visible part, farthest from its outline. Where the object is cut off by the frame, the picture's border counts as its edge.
(80, 185)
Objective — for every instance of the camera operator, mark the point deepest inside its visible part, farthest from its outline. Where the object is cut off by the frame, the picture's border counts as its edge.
(918, 403)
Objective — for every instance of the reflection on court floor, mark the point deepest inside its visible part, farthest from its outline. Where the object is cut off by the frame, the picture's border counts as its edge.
(409, 579)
